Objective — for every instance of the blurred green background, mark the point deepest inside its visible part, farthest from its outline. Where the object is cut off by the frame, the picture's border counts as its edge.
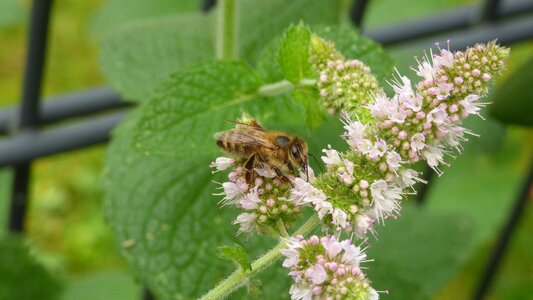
(66, 230)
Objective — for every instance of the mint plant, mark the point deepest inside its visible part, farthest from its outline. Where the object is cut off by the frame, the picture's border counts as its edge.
(160, 192)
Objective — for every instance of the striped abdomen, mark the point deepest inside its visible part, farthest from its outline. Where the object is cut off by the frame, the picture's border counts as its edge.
(235, 142)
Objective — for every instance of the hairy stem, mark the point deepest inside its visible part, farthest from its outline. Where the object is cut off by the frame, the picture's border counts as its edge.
(227, 29)
(281, 228)
(239, 277)
(283, 86)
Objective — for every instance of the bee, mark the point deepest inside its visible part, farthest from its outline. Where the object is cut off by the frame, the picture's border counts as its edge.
(251, 142)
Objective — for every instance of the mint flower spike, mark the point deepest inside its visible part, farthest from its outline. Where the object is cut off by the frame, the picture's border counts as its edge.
(365, 185)
(326, 268)
(266, 203)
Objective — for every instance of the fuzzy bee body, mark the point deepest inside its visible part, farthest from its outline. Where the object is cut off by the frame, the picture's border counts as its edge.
(253, 143)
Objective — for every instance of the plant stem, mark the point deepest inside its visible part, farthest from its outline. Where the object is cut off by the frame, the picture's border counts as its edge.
(281, 228)
(227, 29)
(239, 277)
(283, 86)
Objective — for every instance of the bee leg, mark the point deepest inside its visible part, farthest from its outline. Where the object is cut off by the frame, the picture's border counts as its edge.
(291, 169)
(249, 169)
(282, 176)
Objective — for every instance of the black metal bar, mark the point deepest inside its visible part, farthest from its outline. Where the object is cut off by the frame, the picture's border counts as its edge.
(504, 239)
(147, 295)
(490, 10)
(29, 112)
(423, 189)
(506, 32)
(66, 106)
(444, 22)
(357, 12)
(34, 144)
(207, 5)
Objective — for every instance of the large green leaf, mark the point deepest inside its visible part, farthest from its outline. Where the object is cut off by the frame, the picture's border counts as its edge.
(417, 254)
(121, 13)
(168, 222)
(21, 276)
(513, 103)
(137, 58)
(294, 53)
(193, 105)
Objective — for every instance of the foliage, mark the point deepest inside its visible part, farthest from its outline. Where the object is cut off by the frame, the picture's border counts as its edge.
(22, 277)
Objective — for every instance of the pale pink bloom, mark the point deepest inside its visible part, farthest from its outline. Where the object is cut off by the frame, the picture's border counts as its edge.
(380, 108)
(365, 223)
(331, 245)
(332, 157)
(393, 160)
(353, 255)
(222, 163)
(291, 252)
(355, 130)
(404, 89)
(304, 192)
(471, 105)
(250, 200)
(445, 59)
(385, 199)
(246, 222)
(443, 90)
(414, 103)
(425, 69)
(395, 110)
(339, 218)
(299, 292)
(417, 141)
(437, 115)
(266, 172)
(317, 274)
(377, 150)
(231, 193)
(434, 155)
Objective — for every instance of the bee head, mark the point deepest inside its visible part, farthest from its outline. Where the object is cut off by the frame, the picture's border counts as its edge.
(298, 153)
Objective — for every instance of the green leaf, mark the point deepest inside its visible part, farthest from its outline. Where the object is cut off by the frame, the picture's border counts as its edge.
(355, 46)
(417, 254)
(294, 53)
(308, 97)
(137, 56)
(513, 102)
(236, 254)
(193, 105)
(169, 225)
(260, 21)
(136, 59)
(121, 13)
(21, 276)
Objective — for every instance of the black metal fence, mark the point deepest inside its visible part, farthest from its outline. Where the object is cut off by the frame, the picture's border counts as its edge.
(28, 137)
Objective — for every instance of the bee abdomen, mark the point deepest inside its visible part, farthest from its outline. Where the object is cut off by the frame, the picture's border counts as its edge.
(229, 143)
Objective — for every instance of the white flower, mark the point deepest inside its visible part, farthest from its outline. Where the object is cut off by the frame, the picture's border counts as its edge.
(385, 199)
(437, 116)
(378, 150)
(443, 90)
(425, 69)
(291, 252)
(246, 221)
(323, 208)
(355, 131)
(434, 156)
(444, 60)
(222, 163)
(339, 218)
(417, 141)
(409, 177)
(299, 292)
(353, 255)
(304, 192)
(471, 105)
(372, 294)
(364, 223)
(332, 157)
(250, 200)
(331, 245)
(395, 110)
(317, 274)
(414, 103)
(393, 160)
(231, 193)
(380, 107)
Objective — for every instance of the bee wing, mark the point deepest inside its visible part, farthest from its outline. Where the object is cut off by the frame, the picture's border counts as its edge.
(246, 137)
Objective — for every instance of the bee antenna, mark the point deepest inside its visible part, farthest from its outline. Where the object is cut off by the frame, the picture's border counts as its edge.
(317, 162)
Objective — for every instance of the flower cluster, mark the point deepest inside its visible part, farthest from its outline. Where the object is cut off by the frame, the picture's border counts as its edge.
(326, 268)
(264, 201)
(365, 184)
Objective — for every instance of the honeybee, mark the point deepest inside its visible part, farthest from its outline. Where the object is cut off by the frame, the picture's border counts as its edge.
(280, 150)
